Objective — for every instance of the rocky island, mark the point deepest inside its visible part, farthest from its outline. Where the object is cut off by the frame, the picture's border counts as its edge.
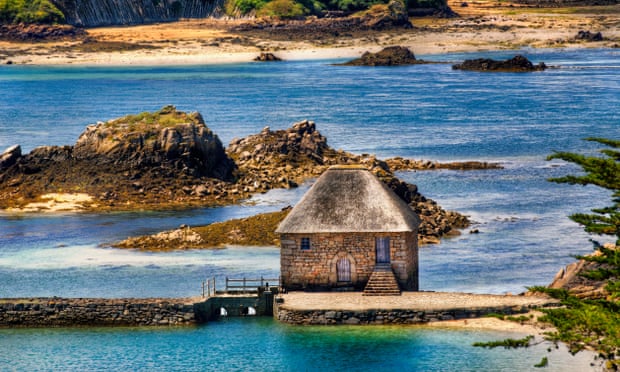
(517, 63)
(390, 56)
(170, 159)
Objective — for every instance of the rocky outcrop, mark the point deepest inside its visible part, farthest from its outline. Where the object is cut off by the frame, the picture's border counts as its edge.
(399, 163)
(390, 56)
(169, 159)
(267, 57)
(380, 17)
(65, 312)
(10, 156)
(94, 13)
(393, 14)
(34, 32)
(151, 160)
(571, 278)
(516, 64)
(167, 138)
(589, 36)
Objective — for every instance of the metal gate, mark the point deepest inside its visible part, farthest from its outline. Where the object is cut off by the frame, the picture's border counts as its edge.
(343, 270)
(383, 250)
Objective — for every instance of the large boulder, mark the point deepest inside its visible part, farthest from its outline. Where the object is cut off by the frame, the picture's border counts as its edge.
(392, 14)
(165, 138)
(518, 63)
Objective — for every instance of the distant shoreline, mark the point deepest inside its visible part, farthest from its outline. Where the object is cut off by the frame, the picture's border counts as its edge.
(480, 27)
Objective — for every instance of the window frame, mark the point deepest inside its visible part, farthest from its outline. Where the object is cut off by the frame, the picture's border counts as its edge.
(305, 244)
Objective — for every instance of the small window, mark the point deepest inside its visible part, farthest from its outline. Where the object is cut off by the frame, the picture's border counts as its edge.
(305, 244)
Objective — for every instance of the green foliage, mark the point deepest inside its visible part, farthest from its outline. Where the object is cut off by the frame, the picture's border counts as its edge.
(509, 343)
(602, 171)
(353, 5)
(243, 6)
(495, 315)
(543, 363)
(284, 9)
(585, 322)
(519, 319)
(29, 11)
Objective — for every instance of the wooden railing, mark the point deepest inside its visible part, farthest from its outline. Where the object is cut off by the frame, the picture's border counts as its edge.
(245, 285)
(242, 285)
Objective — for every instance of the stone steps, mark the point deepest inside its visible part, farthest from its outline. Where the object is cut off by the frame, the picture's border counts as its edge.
(382, 282)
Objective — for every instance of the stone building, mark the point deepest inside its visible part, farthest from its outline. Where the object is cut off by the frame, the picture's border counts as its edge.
(350, 231)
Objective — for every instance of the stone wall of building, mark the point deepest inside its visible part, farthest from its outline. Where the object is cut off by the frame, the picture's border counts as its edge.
(316, 268)
(62, 312)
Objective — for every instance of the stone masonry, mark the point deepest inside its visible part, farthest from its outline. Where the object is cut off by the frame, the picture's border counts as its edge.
(316, 268)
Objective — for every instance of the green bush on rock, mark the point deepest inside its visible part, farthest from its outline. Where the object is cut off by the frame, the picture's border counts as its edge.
(30, 11)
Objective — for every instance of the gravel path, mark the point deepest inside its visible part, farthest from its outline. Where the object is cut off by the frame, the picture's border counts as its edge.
(423, 301)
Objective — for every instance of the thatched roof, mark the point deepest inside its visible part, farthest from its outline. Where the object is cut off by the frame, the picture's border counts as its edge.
(349, 199)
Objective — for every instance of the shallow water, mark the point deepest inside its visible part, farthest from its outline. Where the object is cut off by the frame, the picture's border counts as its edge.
(425, 111)
(265, 345)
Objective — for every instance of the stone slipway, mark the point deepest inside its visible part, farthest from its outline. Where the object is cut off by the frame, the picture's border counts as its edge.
(409, 308)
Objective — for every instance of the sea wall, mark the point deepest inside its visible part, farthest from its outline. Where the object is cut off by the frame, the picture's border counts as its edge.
(62, 312)
(332, 317)
(94, 13)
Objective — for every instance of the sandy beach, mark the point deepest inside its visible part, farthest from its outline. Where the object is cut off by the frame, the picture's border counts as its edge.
(480, 26)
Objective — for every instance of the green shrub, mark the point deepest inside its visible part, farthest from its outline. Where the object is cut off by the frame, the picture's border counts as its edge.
(30, 11)
(354, 5)
(236, 7)
(285, 9)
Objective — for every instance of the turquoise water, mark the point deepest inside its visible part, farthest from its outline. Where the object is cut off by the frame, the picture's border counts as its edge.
(425, 111)
(261, 344)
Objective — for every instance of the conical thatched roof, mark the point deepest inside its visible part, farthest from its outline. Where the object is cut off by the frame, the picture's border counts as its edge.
(349, 199)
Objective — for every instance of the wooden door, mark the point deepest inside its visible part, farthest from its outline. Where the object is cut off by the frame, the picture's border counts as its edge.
(383, 250)
(343, 270)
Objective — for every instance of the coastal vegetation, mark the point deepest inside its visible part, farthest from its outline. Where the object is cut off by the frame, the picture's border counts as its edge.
(291, 9)
(30, 11)
(258, 230)
(509, 343)
(593, 322)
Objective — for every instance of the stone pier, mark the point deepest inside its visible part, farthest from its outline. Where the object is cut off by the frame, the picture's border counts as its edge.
(409, 308)
(64, 312)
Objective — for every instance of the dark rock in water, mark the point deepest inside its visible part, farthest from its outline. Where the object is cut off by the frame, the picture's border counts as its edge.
(10, 156)
(267, 57)
(589, 36)
(390, 56)
(516, 64)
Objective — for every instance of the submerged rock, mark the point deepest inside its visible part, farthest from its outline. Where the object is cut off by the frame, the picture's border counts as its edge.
(390, 56)
(516, 64)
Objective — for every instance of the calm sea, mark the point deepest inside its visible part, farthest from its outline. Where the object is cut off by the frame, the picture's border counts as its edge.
(425, 111)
